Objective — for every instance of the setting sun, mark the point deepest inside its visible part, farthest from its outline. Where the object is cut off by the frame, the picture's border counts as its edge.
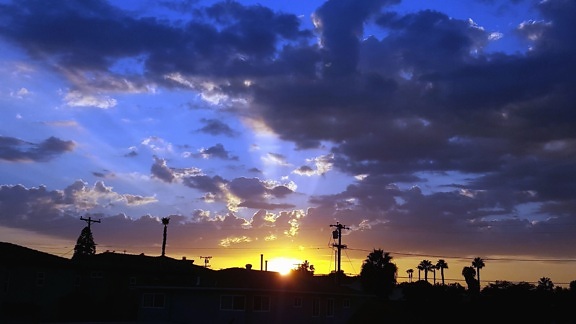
(283, 265)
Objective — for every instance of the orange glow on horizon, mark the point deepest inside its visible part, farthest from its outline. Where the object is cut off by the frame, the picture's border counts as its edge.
(283, 265)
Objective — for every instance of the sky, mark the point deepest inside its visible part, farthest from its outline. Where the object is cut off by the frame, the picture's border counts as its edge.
(439, 129)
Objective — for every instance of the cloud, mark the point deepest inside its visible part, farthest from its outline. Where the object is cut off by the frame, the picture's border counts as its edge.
(16, 150)
(77, 99)
(453, 143)
(216, 127)
(216, 151)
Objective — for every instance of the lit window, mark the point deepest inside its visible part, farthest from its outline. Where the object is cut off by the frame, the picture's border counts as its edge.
(261, 303)
(229, 302)
(153, 300)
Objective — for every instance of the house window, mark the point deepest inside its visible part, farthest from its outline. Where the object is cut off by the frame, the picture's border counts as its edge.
(231, 302)
(346, 303)
(298, 302)
(330, 307)
(316, 307)
(150, 300)
(40, 279)
(261, 303)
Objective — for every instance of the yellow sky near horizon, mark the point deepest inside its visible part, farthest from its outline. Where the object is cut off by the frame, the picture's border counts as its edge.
(502, 268)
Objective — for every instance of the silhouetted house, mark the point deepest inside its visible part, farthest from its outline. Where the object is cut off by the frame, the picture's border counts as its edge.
(38, 286)
(32, 283)
(106, 283)
(106, 287)
(239, 295)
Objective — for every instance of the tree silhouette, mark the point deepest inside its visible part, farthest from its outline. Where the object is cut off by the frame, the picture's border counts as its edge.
(165, 222)
(441, 264)
(469, 274)
(420, 268)
(85, 244)
(426, 265)
(478, 263)
(304, 269)
(545, 284)
(378, 274)
(410, 272)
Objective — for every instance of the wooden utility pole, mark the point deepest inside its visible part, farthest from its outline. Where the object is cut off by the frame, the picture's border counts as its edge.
(337, 234)
(206, 260)
(89, 220)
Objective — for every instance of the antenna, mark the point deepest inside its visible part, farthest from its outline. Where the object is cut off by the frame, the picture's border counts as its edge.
(206, 261)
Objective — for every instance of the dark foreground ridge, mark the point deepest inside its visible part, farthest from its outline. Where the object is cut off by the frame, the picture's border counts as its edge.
(38, 287)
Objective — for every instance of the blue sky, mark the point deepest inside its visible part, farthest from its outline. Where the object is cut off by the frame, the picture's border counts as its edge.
(432, 129)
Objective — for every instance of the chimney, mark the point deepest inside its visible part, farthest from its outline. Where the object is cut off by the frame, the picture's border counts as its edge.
(261, 262)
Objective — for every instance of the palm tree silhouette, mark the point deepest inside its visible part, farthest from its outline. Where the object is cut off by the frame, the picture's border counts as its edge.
(420, 268)
(441, 264)
(545, 284)
(165, 222)
(478, 263)
(410, 272)
(426, 266)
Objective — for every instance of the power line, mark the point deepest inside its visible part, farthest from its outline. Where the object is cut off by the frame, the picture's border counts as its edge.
(472, 258)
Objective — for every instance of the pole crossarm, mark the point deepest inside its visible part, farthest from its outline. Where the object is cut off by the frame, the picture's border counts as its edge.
(89, 220)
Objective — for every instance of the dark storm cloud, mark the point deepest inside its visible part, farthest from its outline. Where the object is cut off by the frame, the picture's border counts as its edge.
(161, 170)
(216, 127)
(341, 23)
(56, 212)
(265, 205)
(423, 97)
(205, 183)
(16, 150)
(225, 39)
(216, 151)
(255, 189)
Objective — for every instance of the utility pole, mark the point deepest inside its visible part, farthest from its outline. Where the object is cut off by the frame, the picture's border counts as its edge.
(89, 220)
(206, 260)
(337, 234)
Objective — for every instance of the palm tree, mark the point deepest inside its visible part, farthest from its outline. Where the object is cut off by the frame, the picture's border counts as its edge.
(545, 284)
(478, 263)
(165, 222)
(441, 264)
(426, 266)
(410, 272)
(378, 274)
(420, 268)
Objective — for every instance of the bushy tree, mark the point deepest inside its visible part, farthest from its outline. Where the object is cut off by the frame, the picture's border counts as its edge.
(85, 244)
(304, 269)
(469, 274)
(378, 274)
